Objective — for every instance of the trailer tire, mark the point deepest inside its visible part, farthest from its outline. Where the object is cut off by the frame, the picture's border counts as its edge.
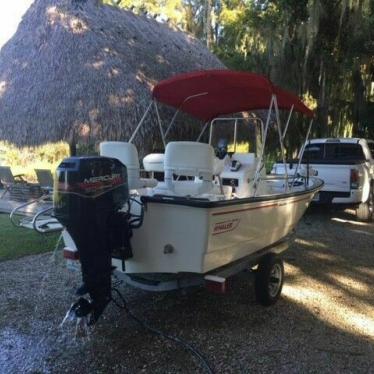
(364, 212)
(269, 280)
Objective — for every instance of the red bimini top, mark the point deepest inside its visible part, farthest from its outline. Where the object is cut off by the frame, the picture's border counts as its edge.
(210, 93)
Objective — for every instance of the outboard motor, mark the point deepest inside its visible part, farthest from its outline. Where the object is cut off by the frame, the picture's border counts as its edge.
(88, 193)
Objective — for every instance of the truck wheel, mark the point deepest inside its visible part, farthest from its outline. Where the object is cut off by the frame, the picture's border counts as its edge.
(269, 280)
(364, 212)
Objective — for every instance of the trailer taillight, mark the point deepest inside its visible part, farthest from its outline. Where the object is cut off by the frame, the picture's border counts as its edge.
(216, 284)
(70, 254)
(354, 179)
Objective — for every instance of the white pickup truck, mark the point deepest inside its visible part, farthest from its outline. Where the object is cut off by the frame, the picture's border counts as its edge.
(347, 167)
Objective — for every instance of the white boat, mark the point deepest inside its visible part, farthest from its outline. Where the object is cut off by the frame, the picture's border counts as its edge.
(209, 212)
(193, 226)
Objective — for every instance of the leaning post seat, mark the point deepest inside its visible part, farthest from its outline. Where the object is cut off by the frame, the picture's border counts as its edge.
(128, 155)
(190, 159)
(154, 162)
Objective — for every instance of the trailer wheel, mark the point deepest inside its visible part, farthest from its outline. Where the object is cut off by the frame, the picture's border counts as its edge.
(269, 280)
(365, 211)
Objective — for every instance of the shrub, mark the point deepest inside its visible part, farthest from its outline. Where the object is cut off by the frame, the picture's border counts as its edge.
(24, 160)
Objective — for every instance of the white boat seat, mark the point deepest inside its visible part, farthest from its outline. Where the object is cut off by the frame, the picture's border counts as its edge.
(190, 159)
(128, 155)
(154, 162)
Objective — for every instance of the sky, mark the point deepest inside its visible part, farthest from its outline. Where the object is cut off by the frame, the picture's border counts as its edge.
(11, 12)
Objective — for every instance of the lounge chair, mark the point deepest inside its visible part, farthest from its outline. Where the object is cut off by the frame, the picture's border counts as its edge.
(17, 187)
(7, 179)
(45, 179)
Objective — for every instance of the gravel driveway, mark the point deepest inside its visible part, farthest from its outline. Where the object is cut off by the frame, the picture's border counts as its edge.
(323, 323)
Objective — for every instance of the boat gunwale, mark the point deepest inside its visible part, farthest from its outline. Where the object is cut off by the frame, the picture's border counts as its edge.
(204, 203)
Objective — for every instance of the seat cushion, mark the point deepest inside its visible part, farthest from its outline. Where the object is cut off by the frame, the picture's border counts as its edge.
(154, 162)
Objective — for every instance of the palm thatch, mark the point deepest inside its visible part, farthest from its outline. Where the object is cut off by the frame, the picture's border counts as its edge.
(80, 70)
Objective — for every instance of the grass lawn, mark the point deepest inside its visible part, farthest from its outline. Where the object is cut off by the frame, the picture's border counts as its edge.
(16, 242)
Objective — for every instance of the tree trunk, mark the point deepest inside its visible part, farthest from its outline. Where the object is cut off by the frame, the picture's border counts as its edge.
(322, 102)
(208, 23)
(358, 99)
(73, 148)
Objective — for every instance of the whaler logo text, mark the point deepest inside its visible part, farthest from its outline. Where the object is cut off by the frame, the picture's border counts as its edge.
(225, 226)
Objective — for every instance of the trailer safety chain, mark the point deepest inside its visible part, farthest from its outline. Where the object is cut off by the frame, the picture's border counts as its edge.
(186, 345)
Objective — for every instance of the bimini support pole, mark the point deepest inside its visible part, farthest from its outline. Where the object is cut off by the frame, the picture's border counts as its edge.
(262, 130)
(160, 124)
(277, 119)
(172, 122)
(288, 122)
(141, 122)
(179, 109)
(211, 132)
(202, 131)
(235, 133)
(302, 152)
(260, 161)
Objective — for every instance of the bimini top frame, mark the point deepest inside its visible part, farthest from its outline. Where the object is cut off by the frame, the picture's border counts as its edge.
(222, 92)
(209, 94)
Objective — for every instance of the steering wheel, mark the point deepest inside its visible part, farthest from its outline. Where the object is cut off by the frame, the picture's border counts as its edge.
(221, 149)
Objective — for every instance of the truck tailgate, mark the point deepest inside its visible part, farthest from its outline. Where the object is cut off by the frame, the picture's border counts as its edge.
(336, 177)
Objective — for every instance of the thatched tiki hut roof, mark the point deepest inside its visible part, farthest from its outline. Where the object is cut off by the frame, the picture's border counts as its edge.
(79, 70)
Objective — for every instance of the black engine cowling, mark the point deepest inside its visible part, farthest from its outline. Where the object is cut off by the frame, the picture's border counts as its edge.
(88, 193)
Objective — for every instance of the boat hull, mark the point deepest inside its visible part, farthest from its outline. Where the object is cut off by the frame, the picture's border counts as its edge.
(178, 237)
